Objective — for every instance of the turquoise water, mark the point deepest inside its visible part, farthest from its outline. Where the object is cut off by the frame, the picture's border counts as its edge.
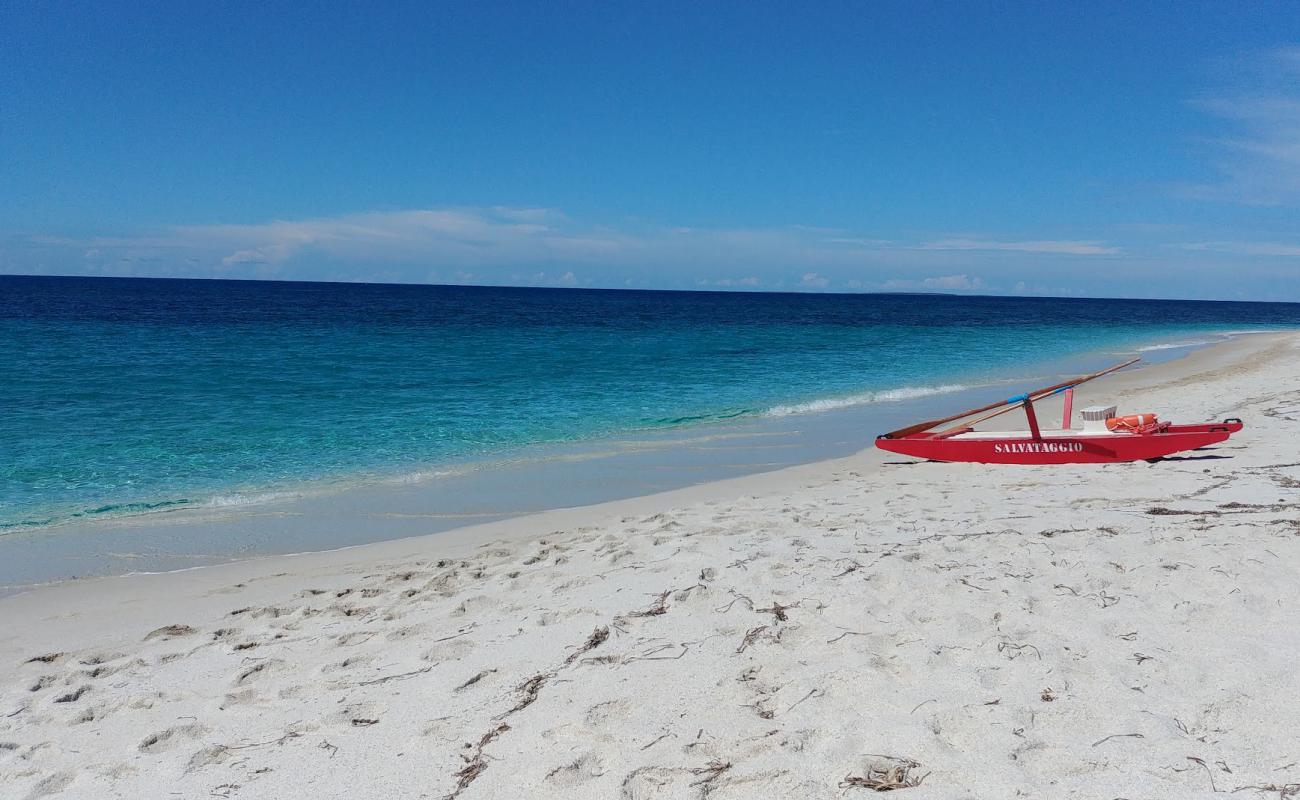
(124, 396)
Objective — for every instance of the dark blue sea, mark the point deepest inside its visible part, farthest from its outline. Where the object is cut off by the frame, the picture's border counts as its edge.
(128, 396)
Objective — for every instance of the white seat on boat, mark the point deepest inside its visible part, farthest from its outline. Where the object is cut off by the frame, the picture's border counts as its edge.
(1094, 418)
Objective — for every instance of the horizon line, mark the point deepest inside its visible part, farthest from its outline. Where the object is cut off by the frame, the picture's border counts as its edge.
(722, 291)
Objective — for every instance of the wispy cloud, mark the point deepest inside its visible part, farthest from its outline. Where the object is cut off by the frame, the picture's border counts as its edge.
(938, 283)
(1259, 159)
(472, 239)
(545, 247)
(387, 235)
(1059, 247)
(1266, 249)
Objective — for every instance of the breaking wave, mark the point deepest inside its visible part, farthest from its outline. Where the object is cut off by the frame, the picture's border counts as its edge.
(865, 398)
(1175, 345)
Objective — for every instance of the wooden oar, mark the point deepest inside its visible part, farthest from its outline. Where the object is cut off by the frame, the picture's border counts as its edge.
(934, 423)
(1001, 411)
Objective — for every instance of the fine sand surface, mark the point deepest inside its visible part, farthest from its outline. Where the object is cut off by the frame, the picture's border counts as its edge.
(1081, 631)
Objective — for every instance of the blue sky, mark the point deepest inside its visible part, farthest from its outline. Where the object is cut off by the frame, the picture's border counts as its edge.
(1135, 149)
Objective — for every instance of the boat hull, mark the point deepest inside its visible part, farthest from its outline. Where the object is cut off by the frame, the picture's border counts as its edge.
(1074, 449)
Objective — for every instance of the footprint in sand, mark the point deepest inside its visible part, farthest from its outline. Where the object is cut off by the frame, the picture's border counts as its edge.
(257, 671)
(52, 784)
(48, 658)
(90, 715)
(73, 696)
(660, 783)
(448, 584)
(358, 715)
(353, 638)
(104, 670)
(349, 664)
(169, 738)
(452, 650)
(407, 632)
(586, 767)
(403, 577)
(351, 611)
(101, 658)
(43, 682)
(170, 632)
(609, 711)
(241, 698)
(476, 604)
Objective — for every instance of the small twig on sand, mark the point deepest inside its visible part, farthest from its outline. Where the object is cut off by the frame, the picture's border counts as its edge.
(398, 677)
(811, 692)
(657, 740)
(736, 596)
(751, 636)
(458, 633)
(710, 771)
(474, 680)
(1283, 790)
(846, 633)
(1208, 771)
(1119, 736)
(650, 654)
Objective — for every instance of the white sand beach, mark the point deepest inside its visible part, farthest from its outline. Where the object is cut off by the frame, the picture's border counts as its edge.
(951, 630)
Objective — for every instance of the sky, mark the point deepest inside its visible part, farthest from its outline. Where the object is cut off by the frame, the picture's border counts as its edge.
(1133, 149)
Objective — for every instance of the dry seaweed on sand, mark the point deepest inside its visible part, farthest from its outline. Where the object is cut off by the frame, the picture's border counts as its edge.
(660, 606)
(474, 764)
(777, 610)
(528, 692)
(596, 639)
(887, 777)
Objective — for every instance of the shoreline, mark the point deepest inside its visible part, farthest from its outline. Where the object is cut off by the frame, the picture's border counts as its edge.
(1117, 387)
(233, 498)
(1074, 632)
(542, 477)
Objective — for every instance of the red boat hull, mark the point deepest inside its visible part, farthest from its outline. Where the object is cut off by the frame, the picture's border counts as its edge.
(1099, 449)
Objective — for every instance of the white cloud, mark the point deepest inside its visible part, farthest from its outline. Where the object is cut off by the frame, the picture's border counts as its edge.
(270, 254)
(1060, 247)
(747, 281)
(1266, 249)
(544, 247)
(1259, 160)
(939, 283)
(463, 238)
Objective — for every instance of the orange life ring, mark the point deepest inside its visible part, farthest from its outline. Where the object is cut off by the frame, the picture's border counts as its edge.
(1131, 422)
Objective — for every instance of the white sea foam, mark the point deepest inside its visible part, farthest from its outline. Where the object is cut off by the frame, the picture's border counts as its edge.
(865, 398)
(1220, 336)
(1253, 331)
(422, 475)
(1175, 345)
(247, 499)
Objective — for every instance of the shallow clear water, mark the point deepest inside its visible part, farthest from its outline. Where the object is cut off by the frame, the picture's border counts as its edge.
(123, 396)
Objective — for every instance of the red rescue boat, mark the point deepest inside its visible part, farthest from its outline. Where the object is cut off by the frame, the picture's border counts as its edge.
(1104, 438)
